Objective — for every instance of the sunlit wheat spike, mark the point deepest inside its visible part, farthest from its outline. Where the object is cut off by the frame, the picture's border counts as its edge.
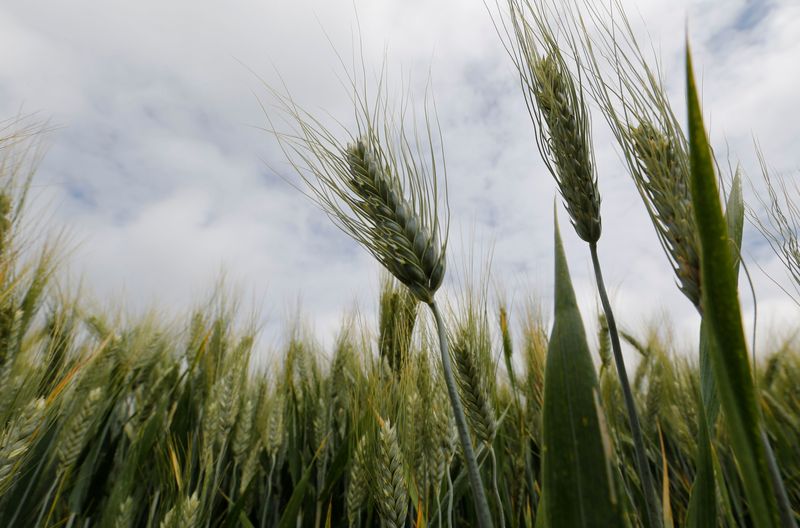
(170, 518)
(661, 173)
(190, 510)
(184, 513)
(391, 492)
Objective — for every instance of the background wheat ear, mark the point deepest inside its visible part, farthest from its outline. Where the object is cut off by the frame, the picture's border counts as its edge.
(391, 492)
(473, 357)
(396, 320)
(778, 218)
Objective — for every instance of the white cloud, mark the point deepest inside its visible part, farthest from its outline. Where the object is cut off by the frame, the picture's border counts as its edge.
(159, 170)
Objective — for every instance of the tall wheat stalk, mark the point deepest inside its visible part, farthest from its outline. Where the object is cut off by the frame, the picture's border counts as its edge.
(380, 186)
(555, 100)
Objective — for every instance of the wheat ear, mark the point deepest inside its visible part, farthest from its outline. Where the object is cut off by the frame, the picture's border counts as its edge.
(472, 385)
(391, 492)
(16, 440)
(404, 246)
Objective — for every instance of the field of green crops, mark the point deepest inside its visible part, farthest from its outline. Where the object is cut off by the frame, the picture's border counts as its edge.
(466, 413)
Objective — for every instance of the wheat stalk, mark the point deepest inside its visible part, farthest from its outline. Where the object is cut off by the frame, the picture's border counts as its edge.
(379, 185)
(554, 96)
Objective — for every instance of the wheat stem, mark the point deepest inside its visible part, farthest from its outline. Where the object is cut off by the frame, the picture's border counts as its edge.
(784, 504)
(479, 494)
(645, 476)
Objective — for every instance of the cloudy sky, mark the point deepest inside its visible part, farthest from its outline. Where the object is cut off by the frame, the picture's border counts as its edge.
(161, 173)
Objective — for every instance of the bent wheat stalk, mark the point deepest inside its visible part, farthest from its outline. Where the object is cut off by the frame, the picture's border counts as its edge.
(380, 187)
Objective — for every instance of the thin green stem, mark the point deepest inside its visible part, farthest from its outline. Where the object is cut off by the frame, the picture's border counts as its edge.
(496, 490)
(652, 517)
(784, 504)
(478, 493)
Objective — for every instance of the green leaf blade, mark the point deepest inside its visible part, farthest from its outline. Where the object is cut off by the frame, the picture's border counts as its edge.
(702, 509)
(729, 361)
(577, 476)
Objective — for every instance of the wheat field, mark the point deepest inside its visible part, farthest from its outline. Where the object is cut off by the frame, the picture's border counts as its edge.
(456, 409)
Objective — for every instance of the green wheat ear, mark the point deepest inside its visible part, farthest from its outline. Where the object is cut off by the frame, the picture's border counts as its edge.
(564, 141)
(391, 492)
(396, 320)
(401, 242)
(378, 183)
(661, 173)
